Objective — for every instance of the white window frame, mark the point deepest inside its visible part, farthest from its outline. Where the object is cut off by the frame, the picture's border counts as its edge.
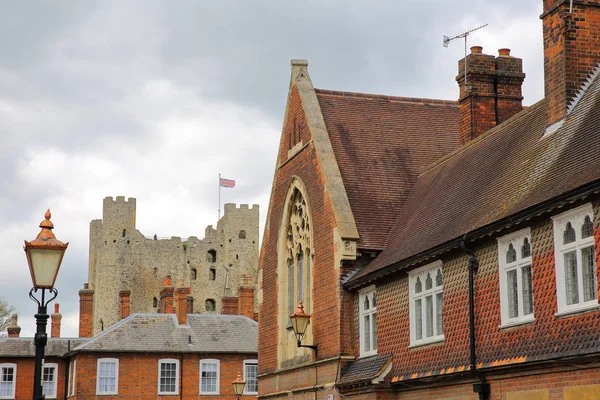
(367, 293)
(72, 379)
(516, 239)
(247, 363)
(421, 272)
(576, 217)
(54, 382)
(108, 361)
(14, 381)
(218, 386)
(168, 361)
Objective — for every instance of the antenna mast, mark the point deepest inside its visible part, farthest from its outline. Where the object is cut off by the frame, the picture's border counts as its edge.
(464, 35)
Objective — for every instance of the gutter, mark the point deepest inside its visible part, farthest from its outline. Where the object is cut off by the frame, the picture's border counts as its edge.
(488, 230)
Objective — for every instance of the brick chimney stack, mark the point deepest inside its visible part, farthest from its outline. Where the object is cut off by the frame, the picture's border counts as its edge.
(166, 297)
(56, 319)
(181, 307)
(86, 309)
(492, 93)
(14, 330)
(571, 52)
(125, 303)
(229, 305)
(246, 301)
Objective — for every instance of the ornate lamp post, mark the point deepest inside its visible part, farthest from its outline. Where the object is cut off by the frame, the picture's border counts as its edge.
(300, 321)
(238, 387)
(44, 255)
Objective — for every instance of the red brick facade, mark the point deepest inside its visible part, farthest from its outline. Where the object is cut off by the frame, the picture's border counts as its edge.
(24, 376)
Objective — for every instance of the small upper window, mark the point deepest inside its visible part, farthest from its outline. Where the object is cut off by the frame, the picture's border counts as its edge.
(194, 274)
(212, 274)
(168, 376)
(107, 376)
(211, 256)
(242, 234)
(8, 377)
(49, 379)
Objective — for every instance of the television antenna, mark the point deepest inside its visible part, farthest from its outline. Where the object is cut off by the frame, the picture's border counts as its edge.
(464, 35)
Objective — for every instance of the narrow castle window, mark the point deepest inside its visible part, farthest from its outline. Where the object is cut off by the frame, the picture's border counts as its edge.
(155, 302)
(194, 274)
(242, 234)
(155, 271)
(212, 274)
(211, 256)
(124, 232)
(210, 305)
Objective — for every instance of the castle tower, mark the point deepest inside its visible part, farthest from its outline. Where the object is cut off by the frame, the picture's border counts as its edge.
(122, 258)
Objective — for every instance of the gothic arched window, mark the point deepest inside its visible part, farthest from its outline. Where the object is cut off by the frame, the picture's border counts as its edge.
(298, 254)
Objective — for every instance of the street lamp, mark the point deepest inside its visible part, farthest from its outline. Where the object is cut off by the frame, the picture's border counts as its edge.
(300, 321)
(238, 387)
(44, 255)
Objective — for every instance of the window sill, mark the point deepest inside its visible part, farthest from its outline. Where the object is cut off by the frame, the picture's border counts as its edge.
(435, 341)
(579, 310)
(513, 324)
(369, 354)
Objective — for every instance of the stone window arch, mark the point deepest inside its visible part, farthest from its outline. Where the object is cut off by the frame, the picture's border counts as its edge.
(194, 274)
(295, 255)
(211, 256)
(210, 305)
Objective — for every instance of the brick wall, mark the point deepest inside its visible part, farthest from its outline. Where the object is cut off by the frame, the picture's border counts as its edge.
(326, 314)
(24, 377)
(138, 375)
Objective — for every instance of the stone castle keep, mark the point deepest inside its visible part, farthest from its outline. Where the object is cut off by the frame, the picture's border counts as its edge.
(122, 259)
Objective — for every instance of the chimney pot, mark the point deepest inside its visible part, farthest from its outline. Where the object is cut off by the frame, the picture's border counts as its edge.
(504, 52)
(167, 281)
(476, 49)
(14, 330)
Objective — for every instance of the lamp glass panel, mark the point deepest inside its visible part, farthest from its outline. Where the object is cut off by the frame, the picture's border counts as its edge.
(299, 324)
(238, 387)
(45, 264)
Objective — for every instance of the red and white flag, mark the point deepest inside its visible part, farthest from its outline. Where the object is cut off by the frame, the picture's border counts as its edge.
(226, 183)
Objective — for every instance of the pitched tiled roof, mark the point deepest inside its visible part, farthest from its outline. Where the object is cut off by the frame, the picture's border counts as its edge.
(364, 370)
(162, 333)
(24, 346)
(381, 145)
(507, 170)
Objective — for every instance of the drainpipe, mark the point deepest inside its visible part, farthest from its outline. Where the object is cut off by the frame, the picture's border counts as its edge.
(482, 388)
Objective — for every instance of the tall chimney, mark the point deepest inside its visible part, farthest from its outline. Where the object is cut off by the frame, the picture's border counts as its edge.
(509, 81)
(492, 93)
(181, 309)
(166, 297)
(55, 323)
(477, 98)
(125, 303)
(571, 52)
(86, 309)
(246, 301)
(14, 330)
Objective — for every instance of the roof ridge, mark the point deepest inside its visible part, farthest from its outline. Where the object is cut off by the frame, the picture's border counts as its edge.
(592, 76)
(489, 133)
(418, 100)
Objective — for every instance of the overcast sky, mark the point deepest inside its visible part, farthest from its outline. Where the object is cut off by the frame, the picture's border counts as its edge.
(153, 99)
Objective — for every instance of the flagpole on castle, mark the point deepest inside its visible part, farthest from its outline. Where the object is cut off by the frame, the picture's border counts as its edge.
(219, 198)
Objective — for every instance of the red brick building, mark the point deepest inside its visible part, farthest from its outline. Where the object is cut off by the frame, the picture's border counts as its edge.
(144, 356)
(445, 250)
